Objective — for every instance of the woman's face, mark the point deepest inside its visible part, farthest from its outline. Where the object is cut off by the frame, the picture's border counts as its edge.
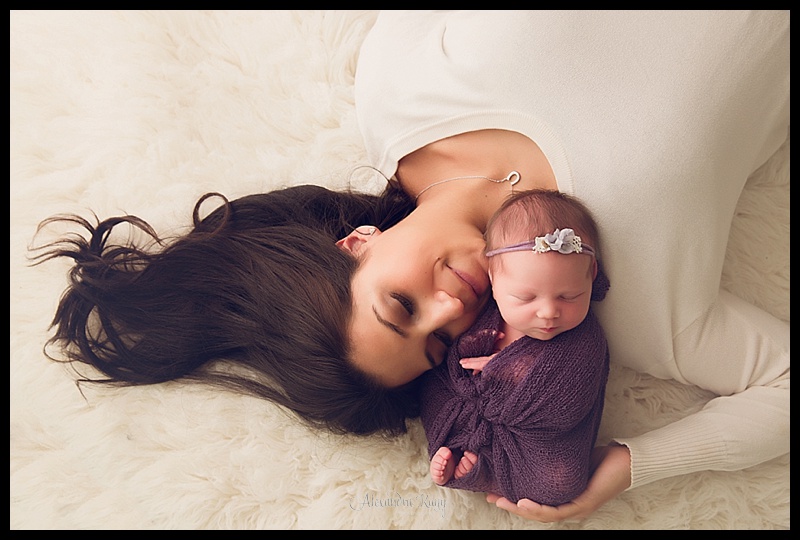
(418, 286)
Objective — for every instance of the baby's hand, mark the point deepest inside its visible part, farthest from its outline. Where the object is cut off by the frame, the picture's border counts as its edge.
(476, 363)
(479, 342)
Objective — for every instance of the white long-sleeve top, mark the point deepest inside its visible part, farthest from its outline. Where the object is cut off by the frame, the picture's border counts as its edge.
(655, 119)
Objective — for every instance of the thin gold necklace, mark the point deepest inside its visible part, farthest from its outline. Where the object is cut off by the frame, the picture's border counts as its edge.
(512, 177)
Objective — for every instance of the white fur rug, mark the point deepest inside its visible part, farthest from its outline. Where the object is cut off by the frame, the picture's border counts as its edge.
(143, 112)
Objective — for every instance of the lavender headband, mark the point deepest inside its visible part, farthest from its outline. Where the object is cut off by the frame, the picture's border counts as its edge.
(561, 240)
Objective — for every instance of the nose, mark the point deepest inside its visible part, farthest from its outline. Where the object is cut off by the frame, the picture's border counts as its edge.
(547, 310)
(445, 309)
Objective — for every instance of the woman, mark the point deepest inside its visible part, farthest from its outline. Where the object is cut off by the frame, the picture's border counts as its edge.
(654, 119)
(255, 298)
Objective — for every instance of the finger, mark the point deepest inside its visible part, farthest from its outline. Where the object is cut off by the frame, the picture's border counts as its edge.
(473, 360)
(476, 361)
(472, 364)
(531, 510)
(548, 514)
(505, 504)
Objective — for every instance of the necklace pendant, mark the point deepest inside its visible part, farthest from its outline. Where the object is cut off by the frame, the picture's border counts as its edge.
(512, 177)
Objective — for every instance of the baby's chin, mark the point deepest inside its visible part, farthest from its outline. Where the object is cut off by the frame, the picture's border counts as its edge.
(544, 334)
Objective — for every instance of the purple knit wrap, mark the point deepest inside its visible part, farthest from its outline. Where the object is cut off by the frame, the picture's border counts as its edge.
(531, 416)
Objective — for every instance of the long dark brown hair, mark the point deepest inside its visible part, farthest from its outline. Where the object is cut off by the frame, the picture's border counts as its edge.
(255, 298)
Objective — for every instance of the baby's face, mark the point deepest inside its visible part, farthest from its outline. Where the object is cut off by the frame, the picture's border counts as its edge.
(543, 294)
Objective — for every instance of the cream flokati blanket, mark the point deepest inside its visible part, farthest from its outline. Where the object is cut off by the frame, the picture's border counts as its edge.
(143, 112)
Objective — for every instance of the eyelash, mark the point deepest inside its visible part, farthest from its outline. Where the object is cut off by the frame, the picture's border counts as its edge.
(444, 338)
(564, 298)
(405, 302)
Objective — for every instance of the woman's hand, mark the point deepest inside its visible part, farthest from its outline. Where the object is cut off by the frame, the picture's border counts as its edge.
(611, 475)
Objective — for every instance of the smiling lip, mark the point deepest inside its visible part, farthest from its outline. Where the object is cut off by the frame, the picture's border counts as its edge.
(469, 280)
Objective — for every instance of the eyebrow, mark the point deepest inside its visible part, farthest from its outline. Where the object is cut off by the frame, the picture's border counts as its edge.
(400, 332)
(388, 324)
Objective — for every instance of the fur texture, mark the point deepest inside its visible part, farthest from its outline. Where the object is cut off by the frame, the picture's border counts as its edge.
(142, 112)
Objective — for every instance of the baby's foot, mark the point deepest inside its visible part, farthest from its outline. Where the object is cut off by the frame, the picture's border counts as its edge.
(466, 463)
(442, 466)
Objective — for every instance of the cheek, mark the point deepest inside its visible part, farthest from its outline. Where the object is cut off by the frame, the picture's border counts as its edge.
(517, 315)
(578, 312)
(402, 264)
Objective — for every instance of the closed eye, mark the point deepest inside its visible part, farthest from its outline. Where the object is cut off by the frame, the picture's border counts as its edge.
(407, 304)
(410, 309)
(444, 338)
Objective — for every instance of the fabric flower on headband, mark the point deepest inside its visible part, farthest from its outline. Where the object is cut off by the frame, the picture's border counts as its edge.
(562, 240)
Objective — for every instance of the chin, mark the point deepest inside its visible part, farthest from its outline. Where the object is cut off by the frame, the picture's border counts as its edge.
(545, 336)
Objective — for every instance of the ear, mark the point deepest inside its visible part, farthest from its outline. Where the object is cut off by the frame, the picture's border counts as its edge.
(355, 242)
(594, 268)
(600, 284)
